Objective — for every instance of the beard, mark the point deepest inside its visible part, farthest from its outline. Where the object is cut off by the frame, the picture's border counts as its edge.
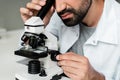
(78, 15)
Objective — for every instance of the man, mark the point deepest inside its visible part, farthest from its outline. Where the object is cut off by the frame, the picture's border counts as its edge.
(90, 38)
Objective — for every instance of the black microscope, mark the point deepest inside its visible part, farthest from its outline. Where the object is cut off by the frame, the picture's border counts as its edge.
(40, 49)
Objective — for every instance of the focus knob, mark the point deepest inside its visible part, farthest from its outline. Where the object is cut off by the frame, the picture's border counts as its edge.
(53, 54)
(34, 67)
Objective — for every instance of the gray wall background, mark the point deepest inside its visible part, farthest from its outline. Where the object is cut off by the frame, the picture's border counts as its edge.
(10, 15)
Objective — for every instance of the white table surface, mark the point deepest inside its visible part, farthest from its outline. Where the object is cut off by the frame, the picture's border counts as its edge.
(8, 44)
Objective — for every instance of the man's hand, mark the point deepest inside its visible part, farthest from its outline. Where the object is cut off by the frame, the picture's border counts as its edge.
(78, 67)
(32, 9)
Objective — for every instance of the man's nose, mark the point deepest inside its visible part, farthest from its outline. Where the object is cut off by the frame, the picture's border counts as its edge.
(60, 5)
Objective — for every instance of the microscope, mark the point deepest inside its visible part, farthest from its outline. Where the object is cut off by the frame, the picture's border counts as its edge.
(39, 49)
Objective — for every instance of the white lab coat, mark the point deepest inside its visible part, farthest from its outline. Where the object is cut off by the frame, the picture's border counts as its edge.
(103, 47)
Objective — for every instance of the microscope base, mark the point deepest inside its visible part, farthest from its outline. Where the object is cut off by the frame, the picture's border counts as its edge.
(51, 70)
(26, 76)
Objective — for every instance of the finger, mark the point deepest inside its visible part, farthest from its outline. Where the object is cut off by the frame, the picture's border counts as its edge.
(33, 6)
(71, 56)
(40, 2)
(69, 63)
(71, 76)
(25, 13)
(71, 70)
(73, 64)
(74, 67)
(36, 1)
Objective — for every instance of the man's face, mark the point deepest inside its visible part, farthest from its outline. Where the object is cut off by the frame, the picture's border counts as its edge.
(72, 12)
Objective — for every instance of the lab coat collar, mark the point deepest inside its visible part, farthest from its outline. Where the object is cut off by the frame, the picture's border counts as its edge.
(106, 30)
(69, 37)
